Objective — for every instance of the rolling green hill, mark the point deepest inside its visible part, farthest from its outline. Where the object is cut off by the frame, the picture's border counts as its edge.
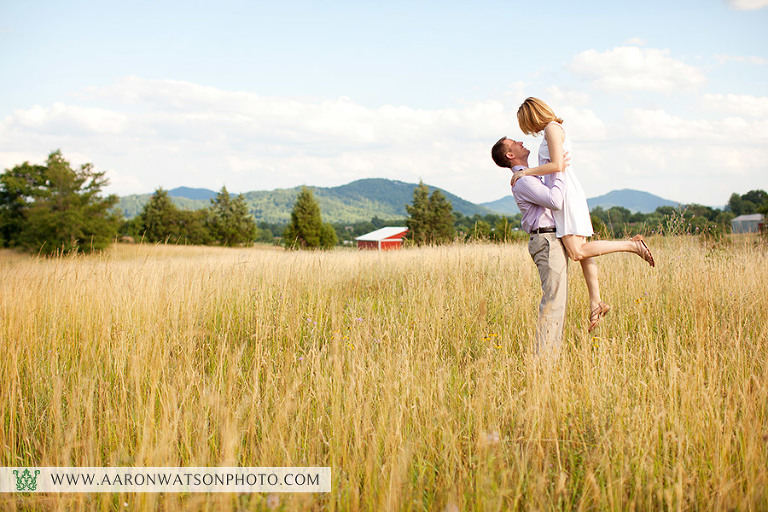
(633, 200)
(357, 201)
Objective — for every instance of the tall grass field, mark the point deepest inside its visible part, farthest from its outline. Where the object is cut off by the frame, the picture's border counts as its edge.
(410, 373)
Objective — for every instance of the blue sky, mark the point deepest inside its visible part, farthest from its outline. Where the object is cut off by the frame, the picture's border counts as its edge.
(667, 97)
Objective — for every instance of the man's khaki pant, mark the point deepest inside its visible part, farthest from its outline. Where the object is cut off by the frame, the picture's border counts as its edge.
(549, 256)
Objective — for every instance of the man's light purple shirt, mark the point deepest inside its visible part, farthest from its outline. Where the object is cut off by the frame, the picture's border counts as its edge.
(536, 198)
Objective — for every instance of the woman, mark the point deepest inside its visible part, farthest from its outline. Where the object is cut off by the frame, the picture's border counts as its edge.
(572, 222)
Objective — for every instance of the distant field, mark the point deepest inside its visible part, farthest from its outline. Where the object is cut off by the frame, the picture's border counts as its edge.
(409, 373)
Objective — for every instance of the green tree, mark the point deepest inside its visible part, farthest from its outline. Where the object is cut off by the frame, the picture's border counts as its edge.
(328, 236)
(757, 197)
(19, 188)
(598, 226)
(481, 230)
(431, 217)
(160, 219)
(306, 229)
(55, 208)
(502, 230)
(751, 202)
(230, 223)
(418, 211)
(440, 218)
(193, 226)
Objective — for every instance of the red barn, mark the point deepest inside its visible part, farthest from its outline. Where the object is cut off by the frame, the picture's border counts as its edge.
(382, 239)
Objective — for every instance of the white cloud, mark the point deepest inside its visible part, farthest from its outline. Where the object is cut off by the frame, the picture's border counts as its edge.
(736, 104)
(583, 123)
(747, 5)
(635, 41)
(9, 159)
(758, 61)
(557, 96)
(151, 133)
(627, 68)
(74, 119)
(179, 133)
(660, 125)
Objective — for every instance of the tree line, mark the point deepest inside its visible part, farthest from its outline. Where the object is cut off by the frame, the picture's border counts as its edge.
(692, 219)
(54, 208)
(225, 222)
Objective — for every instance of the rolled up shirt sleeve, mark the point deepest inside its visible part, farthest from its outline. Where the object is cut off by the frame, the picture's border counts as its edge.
(532, 190)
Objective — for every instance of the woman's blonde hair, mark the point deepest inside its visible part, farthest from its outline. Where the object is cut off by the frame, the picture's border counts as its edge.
(533, 115)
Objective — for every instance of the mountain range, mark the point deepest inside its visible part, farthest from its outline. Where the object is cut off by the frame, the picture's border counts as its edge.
(632, 200)
(374, 197)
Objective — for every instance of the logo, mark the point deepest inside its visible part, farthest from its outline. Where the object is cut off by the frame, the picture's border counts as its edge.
(26, 482)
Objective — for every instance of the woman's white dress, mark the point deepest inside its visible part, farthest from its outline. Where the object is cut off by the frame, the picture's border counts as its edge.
(573, 218)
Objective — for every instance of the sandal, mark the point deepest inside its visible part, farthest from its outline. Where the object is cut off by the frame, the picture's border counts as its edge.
(645, 252)
(597, 315)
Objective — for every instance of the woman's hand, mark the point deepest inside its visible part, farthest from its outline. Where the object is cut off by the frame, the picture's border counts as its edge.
(516, 176)
(566, 161)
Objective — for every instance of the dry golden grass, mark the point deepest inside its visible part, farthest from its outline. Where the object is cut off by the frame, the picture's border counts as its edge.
(409, 373)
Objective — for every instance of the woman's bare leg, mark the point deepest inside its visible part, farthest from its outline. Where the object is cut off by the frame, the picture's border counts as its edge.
(579, 249)
(574, 246)
(589, 269)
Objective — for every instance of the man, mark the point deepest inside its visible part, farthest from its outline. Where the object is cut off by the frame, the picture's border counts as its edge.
(536, 199)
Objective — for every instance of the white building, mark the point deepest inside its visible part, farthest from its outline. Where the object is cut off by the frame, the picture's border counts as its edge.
(753, 223)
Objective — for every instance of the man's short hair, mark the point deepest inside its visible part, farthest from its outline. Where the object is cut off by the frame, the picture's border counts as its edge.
(499, 153)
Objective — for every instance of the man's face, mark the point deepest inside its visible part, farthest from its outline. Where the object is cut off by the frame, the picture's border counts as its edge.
(516, 150)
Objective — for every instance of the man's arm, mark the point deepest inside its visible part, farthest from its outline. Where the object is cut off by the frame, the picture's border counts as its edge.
(532, 190)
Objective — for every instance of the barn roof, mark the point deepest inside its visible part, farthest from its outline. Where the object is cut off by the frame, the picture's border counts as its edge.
(755, 216)
(389, 233)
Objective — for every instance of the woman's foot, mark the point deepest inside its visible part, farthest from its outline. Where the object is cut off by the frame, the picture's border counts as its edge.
(642, 250)
(597, 315)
